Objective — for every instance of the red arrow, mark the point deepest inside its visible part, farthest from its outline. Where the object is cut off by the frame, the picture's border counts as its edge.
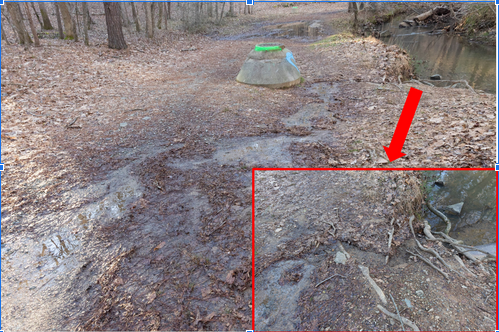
(394, 152)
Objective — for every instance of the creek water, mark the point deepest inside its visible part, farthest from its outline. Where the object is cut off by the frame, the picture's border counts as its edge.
(476, 225)
(451, 56)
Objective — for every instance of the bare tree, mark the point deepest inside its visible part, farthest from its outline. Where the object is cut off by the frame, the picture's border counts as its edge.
(69, 28)
(32, 25)
(149, 20)
(160, 14)
(166, 15)
(124, 14)
(115, 36)
(85, 22)
(47, 25)
(59, 22)
(36, 14)
(135, 18)
(169, 10)
(18, 23)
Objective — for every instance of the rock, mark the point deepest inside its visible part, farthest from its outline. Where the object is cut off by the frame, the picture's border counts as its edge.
(146, 118)
(436, 77)
(454, 209)
(320, 298)
(490, 248)
(278, 230)
(440, 183)
(420, 293)
(313, 29)
(340, 258)
(123, 124)
(408, 303)
(410, 22)
(404, 25)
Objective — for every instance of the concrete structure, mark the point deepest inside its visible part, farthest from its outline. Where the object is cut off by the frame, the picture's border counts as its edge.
(270, 65)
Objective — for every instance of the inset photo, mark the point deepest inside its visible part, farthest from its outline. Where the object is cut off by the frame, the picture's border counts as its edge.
(370, 250)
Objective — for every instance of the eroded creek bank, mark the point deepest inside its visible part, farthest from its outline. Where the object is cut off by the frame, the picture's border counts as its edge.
(301, 220)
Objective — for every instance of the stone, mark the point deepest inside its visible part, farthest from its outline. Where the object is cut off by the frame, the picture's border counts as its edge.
(123, 124)
(420, 293)
(270, 68)
(408, 303)
(436, 77)
(278, 230)
(146, 118)
(490, 248)
(454, 209)
(440, 183)
(404, 25)
(340, 258)
(313, 29)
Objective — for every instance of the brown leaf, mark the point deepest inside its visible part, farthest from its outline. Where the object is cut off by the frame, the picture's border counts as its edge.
(231, 277)
(159, 246)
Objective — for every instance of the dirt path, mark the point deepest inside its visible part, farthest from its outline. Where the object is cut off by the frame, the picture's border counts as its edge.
(137, 216)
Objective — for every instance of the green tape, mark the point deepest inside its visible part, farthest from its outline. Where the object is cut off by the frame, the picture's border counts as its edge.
(267, 48)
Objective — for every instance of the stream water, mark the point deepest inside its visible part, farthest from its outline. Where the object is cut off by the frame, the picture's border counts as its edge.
(476, 225)
(451, 56)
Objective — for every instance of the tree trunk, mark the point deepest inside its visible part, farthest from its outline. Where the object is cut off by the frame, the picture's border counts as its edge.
(231, 9)
(36, 14)
(160, 14)
(222, 13)
(135, 18)
(85, 22)
(76, 25)
(166, 15)
(90, 21)
(149, 23)
(67, 20)
(124, 13)
(15, 14)
(59, 22)
(32, 25)
(115, 36)
(47, 25)
(169, 10)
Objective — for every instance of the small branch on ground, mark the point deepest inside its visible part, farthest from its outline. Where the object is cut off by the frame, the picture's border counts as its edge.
(398, 313)
(331, 277)
(392, 315)
(429, 263)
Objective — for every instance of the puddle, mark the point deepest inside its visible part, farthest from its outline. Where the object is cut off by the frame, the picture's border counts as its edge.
(453, 57)
(476, 225)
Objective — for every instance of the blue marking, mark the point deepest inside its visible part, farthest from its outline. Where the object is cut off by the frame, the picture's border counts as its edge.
(251, 2)
(497, 167)
(289, 57)
(1, 169)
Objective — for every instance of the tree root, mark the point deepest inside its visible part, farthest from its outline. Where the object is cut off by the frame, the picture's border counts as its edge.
(390, 238)
(429, 263)
(431, 251)
(441, 216)
(331, 277)
(392, 315)
(398, 312)
(365, 272)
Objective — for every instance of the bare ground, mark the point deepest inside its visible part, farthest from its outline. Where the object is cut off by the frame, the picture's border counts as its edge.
(126, 195)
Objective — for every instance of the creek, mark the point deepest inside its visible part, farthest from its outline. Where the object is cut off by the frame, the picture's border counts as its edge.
(451, 56)
(476, 224)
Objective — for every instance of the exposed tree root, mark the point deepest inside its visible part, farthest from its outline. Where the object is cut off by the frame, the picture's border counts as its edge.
(441, 216)
(432, 251)
(405, 320)
(429, 263)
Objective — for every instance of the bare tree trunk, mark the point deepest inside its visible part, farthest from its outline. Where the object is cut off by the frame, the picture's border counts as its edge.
(222, 13)
(47, 25)
(149, 22)
(15, 14)
(124, 13)
(59, 22)
(89, 21)
(32, 25)
(67, 20)
(231, 9)
(36, 14)
(169, 10)
(160, 14)
(115, 38)
(135, 18)
(166, 15)
(76, 24)
(85, 22)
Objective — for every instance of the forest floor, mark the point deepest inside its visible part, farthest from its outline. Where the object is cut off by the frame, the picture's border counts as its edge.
(127, 191)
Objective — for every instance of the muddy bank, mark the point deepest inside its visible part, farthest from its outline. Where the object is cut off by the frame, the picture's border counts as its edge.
(301, 220)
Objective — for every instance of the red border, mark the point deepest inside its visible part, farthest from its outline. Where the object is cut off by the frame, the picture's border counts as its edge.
(358, 169)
